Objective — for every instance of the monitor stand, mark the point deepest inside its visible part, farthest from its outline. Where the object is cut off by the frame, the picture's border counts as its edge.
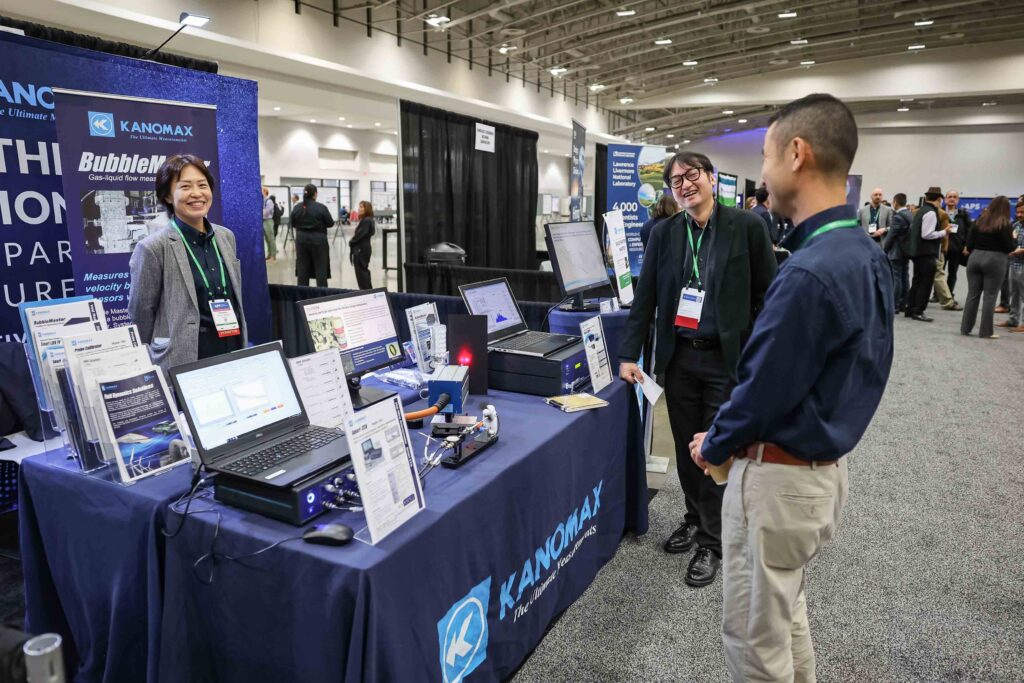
(364, 397)
(579, 305)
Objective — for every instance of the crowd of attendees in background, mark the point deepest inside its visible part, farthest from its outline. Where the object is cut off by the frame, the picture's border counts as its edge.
(926, 245)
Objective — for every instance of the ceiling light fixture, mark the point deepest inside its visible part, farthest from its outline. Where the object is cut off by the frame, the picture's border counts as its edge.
(924, 22)
(988, 104)
(312, 120)
(807, 62)
(438, 20)
(906, 99)
(341, 118)
(557, 70)
(671, 135)
(545, 151)
(690, 62)
(189, 19)
(377, 124)
(597, 87)
(915, 47)
(505, 49)
(625, 100)
(649, 129)
(903, 109)
(277, 108)
(677, 146)
(790, 14)
(686, 142)
(711, 79)
(663, 41)
(350, 125)
(741, 120)
(727, 112)
(625, 12)
(798, 41)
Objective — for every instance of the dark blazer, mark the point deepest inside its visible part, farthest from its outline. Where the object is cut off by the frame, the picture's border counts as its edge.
(744, 267)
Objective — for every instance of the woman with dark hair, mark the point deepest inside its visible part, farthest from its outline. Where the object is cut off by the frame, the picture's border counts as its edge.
(186, 285)
(988, 243)
(665, 207)
(359, 245)
(310, 220)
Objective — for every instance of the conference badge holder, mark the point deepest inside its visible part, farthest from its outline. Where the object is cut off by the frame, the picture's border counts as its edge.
(224, 318)
(691, 303)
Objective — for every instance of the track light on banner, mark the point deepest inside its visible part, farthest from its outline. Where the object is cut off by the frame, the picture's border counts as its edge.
(185, 19)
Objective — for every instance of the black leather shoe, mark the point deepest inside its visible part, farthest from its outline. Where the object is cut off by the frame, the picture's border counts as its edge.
(920, 317)
(682, 539)
(703, 568)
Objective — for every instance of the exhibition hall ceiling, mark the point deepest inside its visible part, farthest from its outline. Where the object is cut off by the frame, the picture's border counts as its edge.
(646, 60)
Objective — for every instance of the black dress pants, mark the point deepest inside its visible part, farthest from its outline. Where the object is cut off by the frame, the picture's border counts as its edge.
(361, 263)
(921, 286)
(697, 383)
(312, 259)
(953, 261)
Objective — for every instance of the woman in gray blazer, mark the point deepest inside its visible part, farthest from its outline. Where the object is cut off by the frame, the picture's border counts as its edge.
(186, 283)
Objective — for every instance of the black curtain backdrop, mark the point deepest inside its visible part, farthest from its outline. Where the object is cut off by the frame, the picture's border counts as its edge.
(484, 202)
(57, 35)
(600, 186)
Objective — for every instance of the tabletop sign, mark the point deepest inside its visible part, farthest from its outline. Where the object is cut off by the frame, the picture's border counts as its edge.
(484, 138)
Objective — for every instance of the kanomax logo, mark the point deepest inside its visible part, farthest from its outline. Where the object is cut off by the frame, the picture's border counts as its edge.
(101, 124)
(462, 634)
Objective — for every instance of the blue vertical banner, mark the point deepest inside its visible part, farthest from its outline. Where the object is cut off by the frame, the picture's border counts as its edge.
(634, 185)
(853, 186)
(36, 237)
(727, 183)
(579, 148)
(110, 149)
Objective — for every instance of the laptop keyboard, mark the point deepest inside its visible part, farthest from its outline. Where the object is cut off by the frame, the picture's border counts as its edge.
(259, 461)
(525, 341)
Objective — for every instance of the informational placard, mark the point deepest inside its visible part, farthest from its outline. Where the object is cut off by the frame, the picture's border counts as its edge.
(328, 196)
(484, 138)
(421, 319)
(634, 185)
(577, 161)
(596, 348)
(111, 148)
(320, 379)
(546, 204)
(727, 186)
(139, 424)
(385, 467)
(617, 243)
(555, 205)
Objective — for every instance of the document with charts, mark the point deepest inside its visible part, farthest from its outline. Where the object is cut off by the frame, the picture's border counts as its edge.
(320, 379)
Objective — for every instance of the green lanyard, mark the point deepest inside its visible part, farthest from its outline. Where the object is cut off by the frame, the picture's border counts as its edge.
(695, 251)
(829, 227)
(199, 267)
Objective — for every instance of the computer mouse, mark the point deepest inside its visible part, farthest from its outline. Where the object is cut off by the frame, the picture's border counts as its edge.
(329, 534)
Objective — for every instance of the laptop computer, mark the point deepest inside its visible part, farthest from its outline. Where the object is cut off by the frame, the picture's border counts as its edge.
(248, 421)
(506, 330)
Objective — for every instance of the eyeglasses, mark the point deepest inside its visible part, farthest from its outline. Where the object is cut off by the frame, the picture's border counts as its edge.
(692, 174)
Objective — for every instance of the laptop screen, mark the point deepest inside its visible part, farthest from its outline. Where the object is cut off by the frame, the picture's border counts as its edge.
(246, 393)
(494, 299)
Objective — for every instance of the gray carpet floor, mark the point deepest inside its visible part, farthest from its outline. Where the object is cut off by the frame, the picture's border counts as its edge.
(924, 580)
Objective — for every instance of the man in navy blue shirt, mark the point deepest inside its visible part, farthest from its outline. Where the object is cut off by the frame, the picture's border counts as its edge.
(810, 379)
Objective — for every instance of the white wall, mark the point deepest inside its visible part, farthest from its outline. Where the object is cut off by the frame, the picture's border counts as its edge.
(290, 149)
(981, 161)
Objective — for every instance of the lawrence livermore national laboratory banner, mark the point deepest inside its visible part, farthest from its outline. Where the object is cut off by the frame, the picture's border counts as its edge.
(110, 149)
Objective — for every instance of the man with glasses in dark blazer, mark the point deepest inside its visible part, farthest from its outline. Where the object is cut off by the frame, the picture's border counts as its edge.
(703, 280)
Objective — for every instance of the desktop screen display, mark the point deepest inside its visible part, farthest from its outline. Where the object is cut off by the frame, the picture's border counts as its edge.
(238, 397)
(361, 327)
(496, 302)
(577, 256)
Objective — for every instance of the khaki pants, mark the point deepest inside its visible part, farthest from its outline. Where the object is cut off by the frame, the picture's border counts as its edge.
(942, 292)
(774, 519)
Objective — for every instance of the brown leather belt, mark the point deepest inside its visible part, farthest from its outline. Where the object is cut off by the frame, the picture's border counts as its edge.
(777, 456)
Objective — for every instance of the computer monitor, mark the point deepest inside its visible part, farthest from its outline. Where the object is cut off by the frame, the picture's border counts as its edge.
(577, 260)
(362, 327)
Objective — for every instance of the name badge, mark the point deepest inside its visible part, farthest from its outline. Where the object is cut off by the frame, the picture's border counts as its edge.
(873, 227)
(691, 303)
(224, 318)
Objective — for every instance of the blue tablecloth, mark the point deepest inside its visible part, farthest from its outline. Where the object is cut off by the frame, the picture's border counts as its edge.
(518, 533)
(92, 554)
(567, 322)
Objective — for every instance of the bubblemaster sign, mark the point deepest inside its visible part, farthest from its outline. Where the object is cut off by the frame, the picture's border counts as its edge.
(111, 149)
(634, 185)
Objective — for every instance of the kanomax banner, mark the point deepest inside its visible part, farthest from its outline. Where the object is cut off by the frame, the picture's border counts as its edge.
(36, 252)
(110, 150)
(634, 185)
(579, 147)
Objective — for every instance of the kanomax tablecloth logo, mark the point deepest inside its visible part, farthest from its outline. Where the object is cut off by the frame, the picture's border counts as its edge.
(101, 124)
(462, 634)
